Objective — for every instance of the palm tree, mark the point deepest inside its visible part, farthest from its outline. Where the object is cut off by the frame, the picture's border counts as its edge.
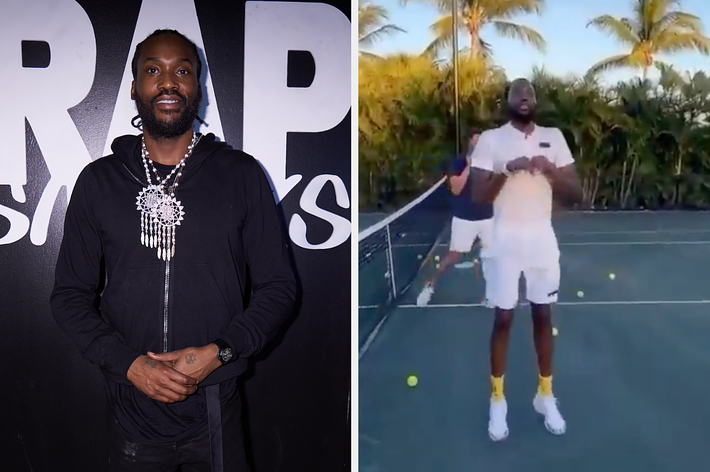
(372, 26)
(656, 27)
(476, 14)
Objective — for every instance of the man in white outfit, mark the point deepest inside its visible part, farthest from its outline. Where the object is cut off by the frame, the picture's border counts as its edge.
(519, 167)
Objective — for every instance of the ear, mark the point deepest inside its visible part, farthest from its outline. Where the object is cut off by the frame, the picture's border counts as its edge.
(133, 90)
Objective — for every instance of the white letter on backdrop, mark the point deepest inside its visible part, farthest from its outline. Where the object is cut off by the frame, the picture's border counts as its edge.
(271, 109)
(43, 96)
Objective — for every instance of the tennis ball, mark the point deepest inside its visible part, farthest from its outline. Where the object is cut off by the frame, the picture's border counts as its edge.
(419, 256)
(580, 293)
(612, 276)
(437, 266)
(436, 258)
(554, 331)
(412, 380)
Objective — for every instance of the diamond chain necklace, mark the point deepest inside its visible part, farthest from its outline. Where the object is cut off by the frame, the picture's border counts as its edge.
(160, 211)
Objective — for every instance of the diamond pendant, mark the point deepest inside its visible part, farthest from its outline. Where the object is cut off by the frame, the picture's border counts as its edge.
(160, 211)
(160, 214)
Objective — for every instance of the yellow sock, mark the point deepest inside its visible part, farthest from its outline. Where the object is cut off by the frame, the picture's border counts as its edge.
(545, 386)
(497, 384)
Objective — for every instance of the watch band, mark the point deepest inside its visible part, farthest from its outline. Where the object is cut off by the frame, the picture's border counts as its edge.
(226, 354)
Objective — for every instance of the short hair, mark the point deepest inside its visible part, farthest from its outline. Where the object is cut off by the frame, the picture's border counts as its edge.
(519, 80)
(159, 32)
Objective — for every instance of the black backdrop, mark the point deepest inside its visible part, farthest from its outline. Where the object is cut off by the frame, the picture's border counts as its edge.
(297, 392)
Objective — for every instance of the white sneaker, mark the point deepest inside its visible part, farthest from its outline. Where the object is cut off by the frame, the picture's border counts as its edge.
(425, 296)
(497, 424)
(547, 406)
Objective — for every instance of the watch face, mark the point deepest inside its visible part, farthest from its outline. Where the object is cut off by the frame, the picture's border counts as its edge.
(226, 354)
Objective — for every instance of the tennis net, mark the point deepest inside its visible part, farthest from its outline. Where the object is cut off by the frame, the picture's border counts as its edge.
(391, 252)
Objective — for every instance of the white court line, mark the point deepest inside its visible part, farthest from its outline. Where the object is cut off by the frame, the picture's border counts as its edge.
(585, 303)
(376, 331)
(655, 213)
(592, 243)
(644, 231)
(633, 243)
(371, 338)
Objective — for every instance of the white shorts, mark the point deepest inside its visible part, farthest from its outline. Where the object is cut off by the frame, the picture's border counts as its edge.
(542, 283)
(465, 232)
(537, 260)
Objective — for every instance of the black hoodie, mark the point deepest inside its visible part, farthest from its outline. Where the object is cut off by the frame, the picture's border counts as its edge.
(231, 231)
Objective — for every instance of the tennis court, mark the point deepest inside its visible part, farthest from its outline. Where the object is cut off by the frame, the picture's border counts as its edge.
(632, 361)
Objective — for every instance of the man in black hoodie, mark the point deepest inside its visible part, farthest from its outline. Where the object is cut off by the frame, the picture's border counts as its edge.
(173, 271)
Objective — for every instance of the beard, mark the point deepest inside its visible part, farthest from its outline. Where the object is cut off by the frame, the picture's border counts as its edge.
(523, 118)
(161, 129)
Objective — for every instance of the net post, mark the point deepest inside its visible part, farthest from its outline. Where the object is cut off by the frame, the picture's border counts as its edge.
(390, 260)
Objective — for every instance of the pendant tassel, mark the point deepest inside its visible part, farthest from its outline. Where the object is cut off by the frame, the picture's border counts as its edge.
(160, 211)
(142, 226)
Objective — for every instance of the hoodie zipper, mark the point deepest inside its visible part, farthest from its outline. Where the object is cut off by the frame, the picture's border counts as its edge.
(166, 287)
(166, 293)
(165, 306)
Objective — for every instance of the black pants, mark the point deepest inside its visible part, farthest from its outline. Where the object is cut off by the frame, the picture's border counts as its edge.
(189, 455)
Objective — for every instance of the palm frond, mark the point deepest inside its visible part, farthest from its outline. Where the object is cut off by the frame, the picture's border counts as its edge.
(506, 9)
(522, 33)
(440, 5)
(370, 15)
(679, 19)
(610, 63)
(620, 28)
(670, 78)
(649, 12)
(372, 24)
(683, 41)
(364, 56)
(442, 30)
(378, 34)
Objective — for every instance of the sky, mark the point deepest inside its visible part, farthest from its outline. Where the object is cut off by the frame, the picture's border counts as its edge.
(572, 47)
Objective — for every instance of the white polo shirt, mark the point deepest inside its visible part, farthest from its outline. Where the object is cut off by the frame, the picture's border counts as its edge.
(525, 199)
(523, 208)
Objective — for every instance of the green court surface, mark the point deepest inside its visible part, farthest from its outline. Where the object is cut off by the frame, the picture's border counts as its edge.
(631, 364)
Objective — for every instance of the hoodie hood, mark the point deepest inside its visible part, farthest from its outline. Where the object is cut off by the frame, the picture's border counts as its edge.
(127, 149)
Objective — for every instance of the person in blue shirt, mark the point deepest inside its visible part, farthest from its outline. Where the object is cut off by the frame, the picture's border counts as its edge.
(471, 220)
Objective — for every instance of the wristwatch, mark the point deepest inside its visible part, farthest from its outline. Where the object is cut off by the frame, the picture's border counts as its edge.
(225, 351)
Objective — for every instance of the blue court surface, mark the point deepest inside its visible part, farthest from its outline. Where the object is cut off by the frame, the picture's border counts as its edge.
(632, 359)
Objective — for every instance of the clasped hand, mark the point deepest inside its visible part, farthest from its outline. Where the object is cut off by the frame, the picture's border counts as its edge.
(536, 163)
(171, 377)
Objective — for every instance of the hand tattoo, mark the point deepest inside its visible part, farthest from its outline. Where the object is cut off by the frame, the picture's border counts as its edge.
(191, 358)
(152, 363)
